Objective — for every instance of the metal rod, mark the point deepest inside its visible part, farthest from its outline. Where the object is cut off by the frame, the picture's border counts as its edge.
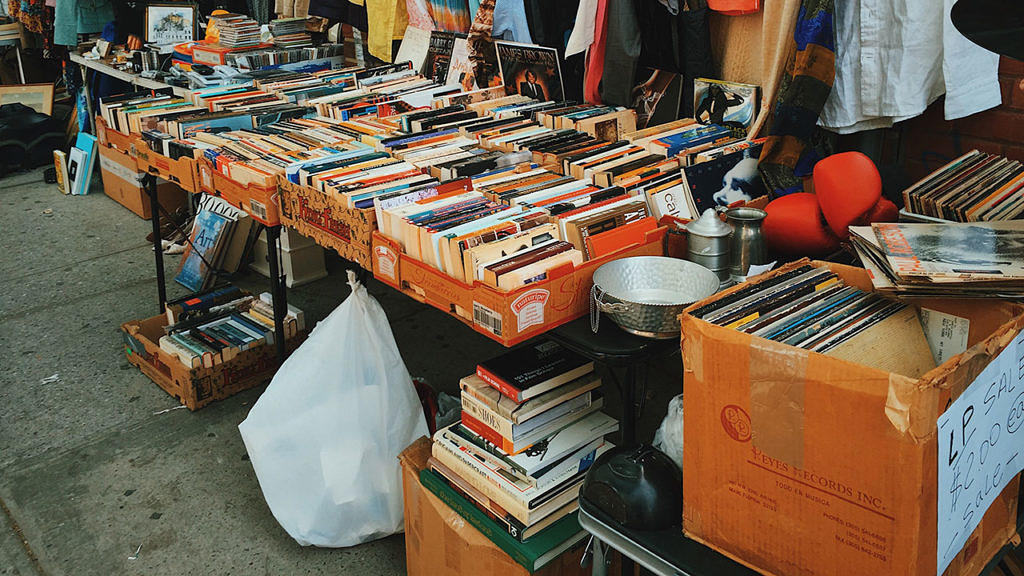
(629, 406)
(277, 288)
(149, 181)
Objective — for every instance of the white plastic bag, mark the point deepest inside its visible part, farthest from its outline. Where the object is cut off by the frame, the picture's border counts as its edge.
(669, 437)
(324, 438)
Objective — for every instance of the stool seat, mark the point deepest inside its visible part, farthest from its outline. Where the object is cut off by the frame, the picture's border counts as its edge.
(611, 345)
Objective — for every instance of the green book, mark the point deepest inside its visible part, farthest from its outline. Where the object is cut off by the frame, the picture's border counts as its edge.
(533, 554)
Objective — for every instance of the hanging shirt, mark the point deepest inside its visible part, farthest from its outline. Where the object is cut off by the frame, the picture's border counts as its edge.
(74, 17)
(510, 21)
(895, 57)
(583, 31)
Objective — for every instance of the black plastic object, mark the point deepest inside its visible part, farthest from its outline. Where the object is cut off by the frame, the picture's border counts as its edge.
(639, 487)
(995, 25)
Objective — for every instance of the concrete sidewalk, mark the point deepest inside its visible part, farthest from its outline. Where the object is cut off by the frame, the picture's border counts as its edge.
(93, 466)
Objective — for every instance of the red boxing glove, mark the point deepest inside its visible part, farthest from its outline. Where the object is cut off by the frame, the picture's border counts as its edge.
(849, 190)
(794, 226)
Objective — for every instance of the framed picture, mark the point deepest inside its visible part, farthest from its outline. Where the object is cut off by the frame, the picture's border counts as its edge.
(170, 23)
(38, 97)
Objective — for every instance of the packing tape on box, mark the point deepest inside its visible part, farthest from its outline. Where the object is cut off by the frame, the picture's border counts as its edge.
(777, 380)
(912, 408)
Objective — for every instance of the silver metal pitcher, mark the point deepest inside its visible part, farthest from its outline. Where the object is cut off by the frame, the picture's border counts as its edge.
(707, 243)
(747, 241)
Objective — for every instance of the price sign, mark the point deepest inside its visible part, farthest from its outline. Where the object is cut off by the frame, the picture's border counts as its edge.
(980, 445)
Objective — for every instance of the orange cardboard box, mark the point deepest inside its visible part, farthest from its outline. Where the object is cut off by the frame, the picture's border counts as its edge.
(509, 317)
(798, 463)
(122, 181)
(439, 542)
(258, 201)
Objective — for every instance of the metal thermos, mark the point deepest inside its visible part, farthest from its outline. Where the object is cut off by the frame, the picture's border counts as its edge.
(708, 243)
(747, 242)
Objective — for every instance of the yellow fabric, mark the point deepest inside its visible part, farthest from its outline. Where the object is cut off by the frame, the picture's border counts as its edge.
(387, 21)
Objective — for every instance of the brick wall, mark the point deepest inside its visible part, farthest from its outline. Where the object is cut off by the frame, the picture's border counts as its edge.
(929, 141)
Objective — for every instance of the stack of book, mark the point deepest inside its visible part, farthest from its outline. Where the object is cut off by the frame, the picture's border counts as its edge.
(236, 30)
(213, 327)
(976, 187)
(531, 427)
(290, 33)
(980, 260)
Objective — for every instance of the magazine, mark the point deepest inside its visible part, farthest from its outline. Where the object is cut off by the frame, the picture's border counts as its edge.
(726, 103)
(954, 251)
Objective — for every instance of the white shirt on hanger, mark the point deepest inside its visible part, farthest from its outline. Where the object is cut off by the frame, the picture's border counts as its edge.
(895, 57)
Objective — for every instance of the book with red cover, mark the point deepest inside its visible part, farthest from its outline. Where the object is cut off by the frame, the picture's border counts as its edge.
(530, 370)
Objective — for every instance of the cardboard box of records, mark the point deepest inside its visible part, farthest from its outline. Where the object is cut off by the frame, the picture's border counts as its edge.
(870, 435)
(257, 200)
(440, 542)
(323, 218)
(508, 317)
(196, 387)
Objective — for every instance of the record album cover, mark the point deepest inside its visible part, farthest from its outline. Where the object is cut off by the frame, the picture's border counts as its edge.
(725, 180)
(726, 103)
(530, 70)
(439, 56)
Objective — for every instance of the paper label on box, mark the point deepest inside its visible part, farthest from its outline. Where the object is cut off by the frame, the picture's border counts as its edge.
(946, 333)
(115, 168)
(257, 209)
(386, 261)
(980, 444)
(489, 319)
(529, 308)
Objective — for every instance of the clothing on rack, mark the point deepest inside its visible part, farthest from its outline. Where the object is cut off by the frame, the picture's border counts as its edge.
(342, 11)
(419, 14)
(551, 24)
(895, 57)
(583, 31)
(291, 8)
(510, 21)
(74, 17)
(622, 52)
(480, 45)
(794, 141)
(450, 15)
(389, 18)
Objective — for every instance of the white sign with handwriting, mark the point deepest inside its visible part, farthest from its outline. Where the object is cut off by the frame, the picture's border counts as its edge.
(980, 448)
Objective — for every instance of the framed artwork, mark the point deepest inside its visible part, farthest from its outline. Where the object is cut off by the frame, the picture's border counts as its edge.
(170, 23)
(38, 97)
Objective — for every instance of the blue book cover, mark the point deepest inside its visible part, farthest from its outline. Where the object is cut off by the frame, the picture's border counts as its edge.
(208, 234)
(222, 124)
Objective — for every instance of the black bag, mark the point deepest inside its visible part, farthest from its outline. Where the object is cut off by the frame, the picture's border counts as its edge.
(27, 138)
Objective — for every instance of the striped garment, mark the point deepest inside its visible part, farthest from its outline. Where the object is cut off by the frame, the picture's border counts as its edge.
(795, 142)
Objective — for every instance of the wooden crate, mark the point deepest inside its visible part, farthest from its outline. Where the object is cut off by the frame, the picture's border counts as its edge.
(197, 387)
(322, 218)
(506, 317)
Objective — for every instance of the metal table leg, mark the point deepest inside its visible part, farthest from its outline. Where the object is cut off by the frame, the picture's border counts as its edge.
(277, 288)
(149, 182)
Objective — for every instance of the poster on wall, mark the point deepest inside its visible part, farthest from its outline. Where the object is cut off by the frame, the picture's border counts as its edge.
(530, 70)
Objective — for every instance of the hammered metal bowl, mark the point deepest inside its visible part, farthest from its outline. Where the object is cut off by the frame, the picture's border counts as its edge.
(644, 295)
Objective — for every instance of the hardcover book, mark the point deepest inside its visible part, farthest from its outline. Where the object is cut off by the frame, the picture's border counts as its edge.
(533, 369)
(208, 234)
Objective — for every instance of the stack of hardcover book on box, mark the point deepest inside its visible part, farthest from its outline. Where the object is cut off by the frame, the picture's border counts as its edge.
(531, 427)
(236, 30)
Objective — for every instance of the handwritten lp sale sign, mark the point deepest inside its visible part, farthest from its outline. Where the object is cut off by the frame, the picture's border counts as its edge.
(980, 445)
